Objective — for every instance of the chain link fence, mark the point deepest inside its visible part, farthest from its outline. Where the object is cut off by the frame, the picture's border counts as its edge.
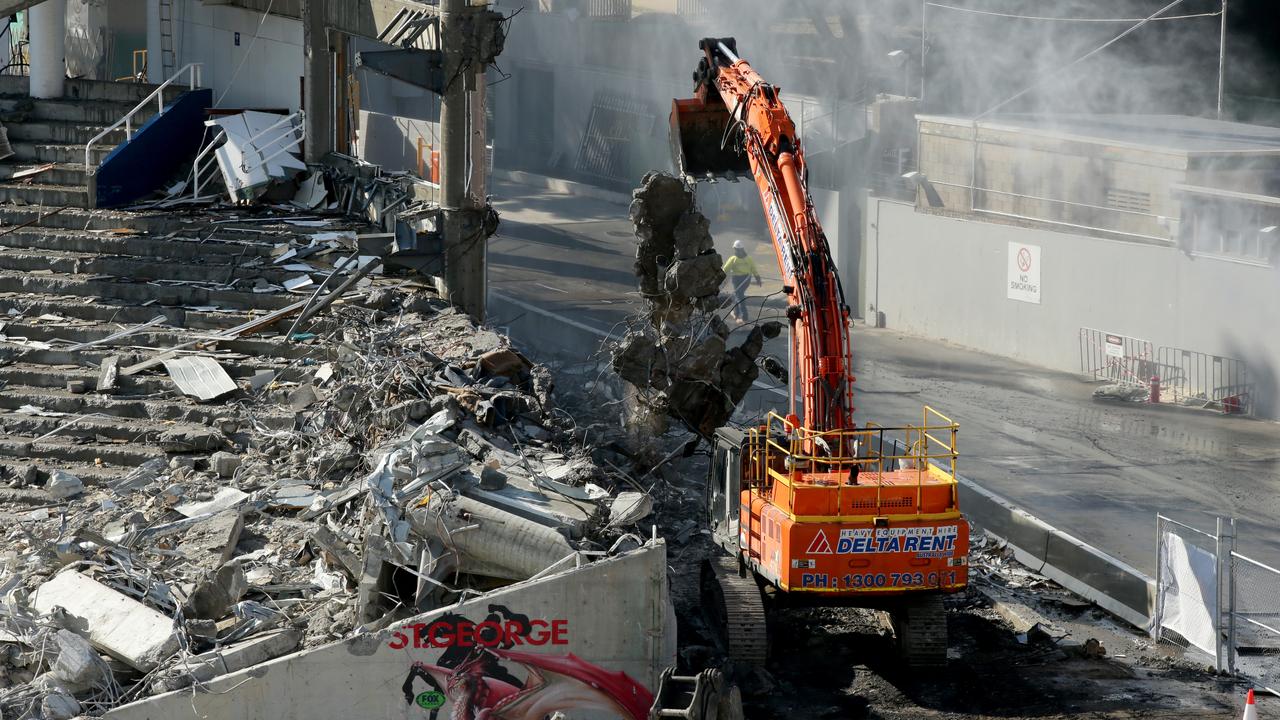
(1212, 598)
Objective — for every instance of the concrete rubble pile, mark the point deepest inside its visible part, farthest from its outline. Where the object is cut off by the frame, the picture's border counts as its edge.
(402, 458)
(678, 357)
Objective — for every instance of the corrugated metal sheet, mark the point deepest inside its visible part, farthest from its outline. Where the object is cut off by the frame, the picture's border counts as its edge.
(200, 376)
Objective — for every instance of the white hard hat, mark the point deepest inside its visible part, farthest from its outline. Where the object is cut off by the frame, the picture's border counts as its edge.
(737, 245)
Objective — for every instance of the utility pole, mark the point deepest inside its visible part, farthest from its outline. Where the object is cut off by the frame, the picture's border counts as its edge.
(1222, 58)
(464, 282)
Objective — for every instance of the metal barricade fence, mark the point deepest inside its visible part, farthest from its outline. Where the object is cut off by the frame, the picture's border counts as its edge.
(1188, 377)
(1116, 358)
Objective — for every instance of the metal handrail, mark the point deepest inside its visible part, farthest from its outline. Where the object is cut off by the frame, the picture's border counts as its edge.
(193, 82)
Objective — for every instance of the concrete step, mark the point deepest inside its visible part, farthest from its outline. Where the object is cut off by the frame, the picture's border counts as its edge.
(90, 475)
(169, 437)
(160, 411)
(57, 376)
(220, 269)
(138, 292)
(125, 92)
(32, 152)
(142, 246)
(59, 174)
(87, 112)
(108, 312)
(72, 450)
(60, 240)
(258, 352)
(47, 196)
(60, 132)
(155, 223)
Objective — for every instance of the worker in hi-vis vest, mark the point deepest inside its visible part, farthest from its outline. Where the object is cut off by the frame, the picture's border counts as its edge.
(740, 270)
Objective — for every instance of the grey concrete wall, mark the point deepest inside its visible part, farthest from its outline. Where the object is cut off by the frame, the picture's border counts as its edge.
(614, 614)
(946, 278)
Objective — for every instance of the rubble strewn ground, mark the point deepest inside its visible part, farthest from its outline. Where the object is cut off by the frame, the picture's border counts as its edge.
(334, 489)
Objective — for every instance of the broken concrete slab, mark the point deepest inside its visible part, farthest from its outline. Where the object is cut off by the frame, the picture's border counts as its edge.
(214, 595)
(212, 541)
(114, 623)
(550, 623)
(209, 665)
(224, 499)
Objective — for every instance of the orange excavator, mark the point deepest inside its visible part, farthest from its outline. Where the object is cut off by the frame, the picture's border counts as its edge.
(812, 508)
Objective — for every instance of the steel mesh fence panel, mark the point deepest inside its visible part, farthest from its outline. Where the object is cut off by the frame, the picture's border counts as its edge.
(1188, 591)
(1255, 620)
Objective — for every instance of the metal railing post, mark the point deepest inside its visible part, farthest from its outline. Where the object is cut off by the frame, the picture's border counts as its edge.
(1231, 602)
(1156, 612)
(1218, 660)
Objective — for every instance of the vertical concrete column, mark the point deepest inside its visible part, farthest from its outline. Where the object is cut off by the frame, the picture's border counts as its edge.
(155, 47)
(48, 48)
(464, 282)
(317, 82)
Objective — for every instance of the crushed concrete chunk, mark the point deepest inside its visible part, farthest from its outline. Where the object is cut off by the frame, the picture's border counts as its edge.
(63, 485)
(118, 625)
(225, 464)
(215, 594)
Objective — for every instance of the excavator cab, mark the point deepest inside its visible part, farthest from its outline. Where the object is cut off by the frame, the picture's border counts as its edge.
(706, 142)
(724, 488)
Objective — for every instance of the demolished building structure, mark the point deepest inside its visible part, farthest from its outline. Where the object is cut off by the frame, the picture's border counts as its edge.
(250, 411)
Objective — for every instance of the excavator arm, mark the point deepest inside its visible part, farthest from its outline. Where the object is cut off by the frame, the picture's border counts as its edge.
(736, 123)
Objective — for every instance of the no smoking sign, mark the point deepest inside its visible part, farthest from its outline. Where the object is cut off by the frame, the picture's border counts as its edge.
(1024, 273)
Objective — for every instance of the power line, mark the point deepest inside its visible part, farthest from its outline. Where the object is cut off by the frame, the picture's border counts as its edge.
(1067, 19)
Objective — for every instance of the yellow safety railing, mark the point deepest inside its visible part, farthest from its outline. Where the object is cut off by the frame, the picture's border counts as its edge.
(785, 452)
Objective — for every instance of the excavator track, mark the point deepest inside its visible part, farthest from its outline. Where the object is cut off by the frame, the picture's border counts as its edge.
(920, 624)
(736, 609)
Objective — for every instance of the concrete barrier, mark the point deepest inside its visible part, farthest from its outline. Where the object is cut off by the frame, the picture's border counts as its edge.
(1115, 586)
(590, 642)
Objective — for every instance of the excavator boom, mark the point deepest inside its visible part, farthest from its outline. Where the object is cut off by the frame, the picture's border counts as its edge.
(736, 122)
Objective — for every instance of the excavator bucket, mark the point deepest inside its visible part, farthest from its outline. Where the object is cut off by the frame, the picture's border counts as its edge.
(702, 142)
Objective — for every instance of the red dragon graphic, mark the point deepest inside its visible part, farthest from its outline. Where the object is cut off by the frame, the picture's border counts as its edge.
(554, 683)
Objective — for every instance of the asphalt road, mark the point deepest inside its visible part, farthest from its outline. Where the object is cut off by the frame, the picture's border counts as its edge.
(1098, 470)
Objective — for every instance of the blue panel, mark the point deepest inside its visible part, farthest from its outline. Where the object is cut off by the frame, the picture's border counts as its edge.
(159, 151)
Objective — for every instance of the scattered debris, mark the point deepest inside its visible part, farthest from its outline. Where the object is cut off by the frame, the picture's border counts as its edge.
(678, 357)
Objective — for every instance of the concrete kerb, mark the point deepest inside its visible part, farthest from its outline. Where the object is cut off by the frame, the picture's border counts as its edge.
(1114, 585)
(1091, 573)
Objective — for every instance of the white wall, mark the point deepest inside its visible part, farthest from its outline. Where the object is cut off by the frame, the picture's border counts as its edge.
(946, 278)
(270, 68)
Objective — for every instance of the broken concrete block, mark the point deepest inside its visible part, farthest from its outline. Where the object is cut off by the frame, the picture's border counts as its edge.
(206, 666)
(63, 485)
(694, 278)
(108, 372)
(224, 464)
(118, 625)
(225, 499)
(215, 594)
(59, 705)
(77, 669)
(213, 541)
(504, 546)
(77, 387)
(326, 540)
(628, 508)
(504, 362)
